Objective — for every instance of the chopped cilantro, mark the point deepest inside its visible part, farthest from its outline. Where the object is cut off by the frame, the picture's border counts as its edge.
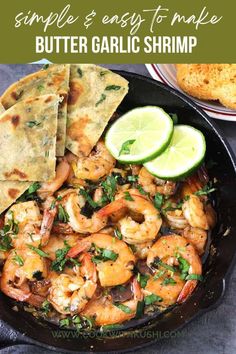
(32, 123)
(112, 88)
(168, 281)
(62, 214)
(123, 308)
(38, 251)
(80, 72)
(18, 259)
(158, 201)
(151, 299)
(143, 279)
(59, 263)
(128, 196)
(101, 99)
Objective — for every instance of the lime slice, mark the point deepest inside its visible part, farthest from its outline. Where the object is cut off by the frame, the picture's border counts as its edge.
(185, 152)
(140, 135)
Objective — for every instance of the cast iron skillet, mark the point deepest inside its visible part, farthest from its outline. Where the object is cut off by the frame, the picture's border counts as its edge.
(138, 333)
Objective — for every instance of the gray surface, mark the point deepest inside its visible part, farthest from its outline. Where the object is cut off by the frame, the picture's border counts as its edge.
(215, 331)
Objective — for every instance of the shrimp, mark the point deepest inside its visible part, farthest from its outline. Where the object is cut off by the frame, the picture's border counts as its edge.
(115, 265)
(80, 223)
(21, 266)
(197, 237)
(57, 242)
(153, 185)
(141, 250)
(176, 219)
(49, 214)
(194, 213)
(27, 219)
(97, 165)
(105, 312)
(49, 188)
(69, 294)
(132, 231)
(169, 251)
(24, 214)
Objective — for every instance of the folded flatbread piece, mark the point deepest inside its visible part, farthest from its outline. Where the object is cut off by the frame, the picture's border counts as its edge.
(95, 93)
(53, 80)
(10, 190)
(1, 109)
(28, 140)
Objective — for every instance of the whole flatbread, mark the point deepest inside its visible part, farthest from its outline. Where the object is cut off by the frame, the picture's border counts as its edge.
(28, 140)
(53, 80)
(10, 190)
(95, 93)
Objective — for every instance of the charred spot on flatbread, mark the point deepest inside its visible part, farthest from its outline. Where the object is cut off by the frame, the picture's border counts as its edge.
(13, 192)
(15, 119)
(15, 172)
(76, 89)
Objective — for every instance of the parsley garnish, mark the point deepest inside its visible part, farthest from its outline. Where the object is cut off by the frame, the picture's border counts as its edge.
(18, 259)
(118, 234)
(126, 146)
(168, 281)
(143, 279)
(112, 87)
(102, 98)
(123, 308)
(151, 299)
(207, 189)
(88, 198)
(194, 277)
(128, 196)
(80, 72)
(109, 189)
(103, 255)
(158, 201)
(38, 251)
(34, 187)
(59, 263)
(62, 214)
(65, 322)
(45, 307)
(32, 123)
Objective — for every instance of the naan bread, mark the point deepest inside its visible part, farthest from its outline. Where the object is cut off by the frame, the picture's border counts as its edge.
(28, 140)
(1, 108)
(54, 80)
(10, 190)
(95, 93)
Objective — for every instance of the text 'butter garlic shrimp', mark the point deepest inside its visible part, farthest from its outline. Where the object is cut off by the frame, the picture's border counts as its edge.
(114, 259)
(97, 165)
(166, 254)
(69, 294)
(105, 312)
(132, 231)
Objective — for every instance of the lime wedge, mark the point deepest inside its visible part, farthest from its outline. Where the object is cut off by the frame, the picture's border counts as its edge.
(140, 135)
(185, 153)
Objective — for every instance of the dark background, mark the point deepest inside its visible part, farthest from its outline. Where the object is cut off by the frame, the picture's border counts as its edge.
(213, 333)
